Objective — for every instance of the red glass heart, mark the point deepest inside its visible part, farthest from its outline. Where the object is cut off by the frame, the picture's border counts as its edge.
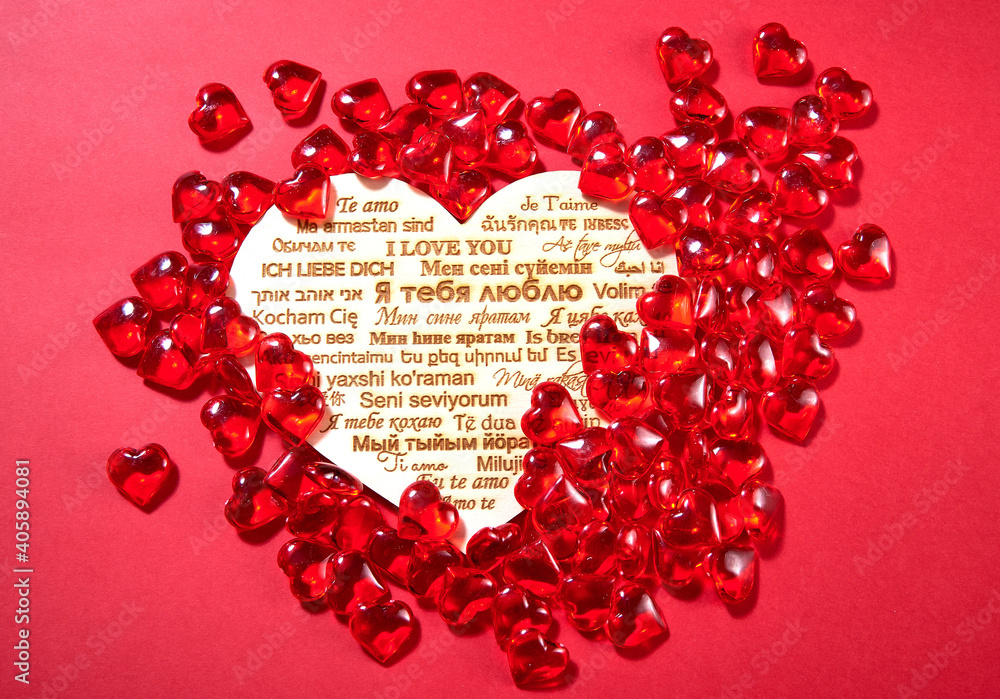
(635, 619)
(511, 150)
(760, 360)
(804, 354)
(514, 609)
(697, 196)
(552, 119)
(247, 196)
(534, 568)
(552, 416)
(428, 563)
(423, 515)
(732, 414)
(194, 196)
(592, 130)
(534, 660)
(373, 155)
(487, 548)
(253, 504)
(218, 114)
(280, 365)
(647, 159)
(234, 378)
(732, 570)
(764, 130)
(666, 350)
(866, 255)
(438, 90)
(617, 394)
(632, 550)
(139, 475)
(465, 592)
(776, 54)
(232, 422)
(226, 329)
(541, 467)
(202, 283)
(293, 413)
(167, 362)
(604, 347)
(831, 162)
(491, 95)
(847, 97)
(791, 408)
(123, 326)
(761, 504)
(469, 136)
(382, 629)
(354, 584)
(798, 193)
(681, 57)
(688, 147)
(407, 124)
(363, 103)
(812, 122)
(307, 565)
(293, 86)
(306, 194)
(428, 160)
(634, 447)
(465, 192)
(213, 236)
(698, 101)
(323, 148)
(587, 600)
(605, 174)
(657, 220)
(693, 523)
(831, 315)
(389, 553)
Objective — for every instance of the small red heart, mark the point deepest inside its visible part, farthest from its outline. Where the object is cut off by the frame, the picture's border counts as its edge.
(681, 57)
(364, 103)
(791, 408)
(423, 515)
(760, 504)
(764, 130)
(288, 475)
(587, 599)
(732, 569)
(866, 256)
(333, 479)
(407, 124)
(465, 192)
(798, 193)
(247, 196)
(314, 516)
(280, 365)
(605, 174)
(734, 462)
(604, 346)
(592, 130)
(306, 194)
(560, 515)
(293, 86)
(760, 361)
(440, 91)
(635, 619)
(541, 467)
(741, 306)
(831, 315)
(776, 54)
(698, 251)
(668, 305)
(693, 524)
(684, 395)
(354, 583)
(760, 261)
(657, 220)
(584, 457)
(697, 196)
(389, 553)
(194, 196)
(648, 159)
(511, 150)
(634, 447)
(595, 553)
(515, 610)
(732, 414)
(808, 252)
(218, 114)
(373, 155)
(831, 162)
(534, 660)
(731, 169)
(428, 160)
(488, 547)
(804, 354)
(465, 593)
(167, 362)
(492, 96)
(775, 310)
(676, 569)
(847, 97)
(253, 504)
(469, 136)
(213, 236)
(226, 329)
(160, 281)
(323, 148)
(307, 565)
(698, 101)
(202, 283)
(428, 563)
(552, 416)
(666, 349)
(188, 328)
(382, 629)
(552, 119)
(632, 550)
(233, 377)
(720, 353)
(293, 413)
(357, 519)
(689, 146)
(139, 475)
(534, 568)
(812, 123)
(232, 422)
(617, 394)
(123, 326)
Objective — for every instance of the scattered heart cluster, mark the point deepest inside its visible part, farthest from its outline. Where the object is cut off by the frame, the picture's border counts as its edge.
(674, 489)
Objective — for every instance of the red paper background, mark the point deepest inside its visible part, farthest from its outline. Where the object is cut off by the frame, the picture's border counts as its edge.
(887, 554)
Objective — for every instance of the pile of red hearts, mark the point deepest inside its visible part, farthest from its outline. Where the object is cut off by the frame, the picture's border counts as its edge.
(673, 490)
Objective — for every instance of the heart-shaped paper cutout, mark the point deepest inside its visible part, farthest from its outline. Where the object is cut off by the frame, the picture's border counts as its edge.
(412, 319)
